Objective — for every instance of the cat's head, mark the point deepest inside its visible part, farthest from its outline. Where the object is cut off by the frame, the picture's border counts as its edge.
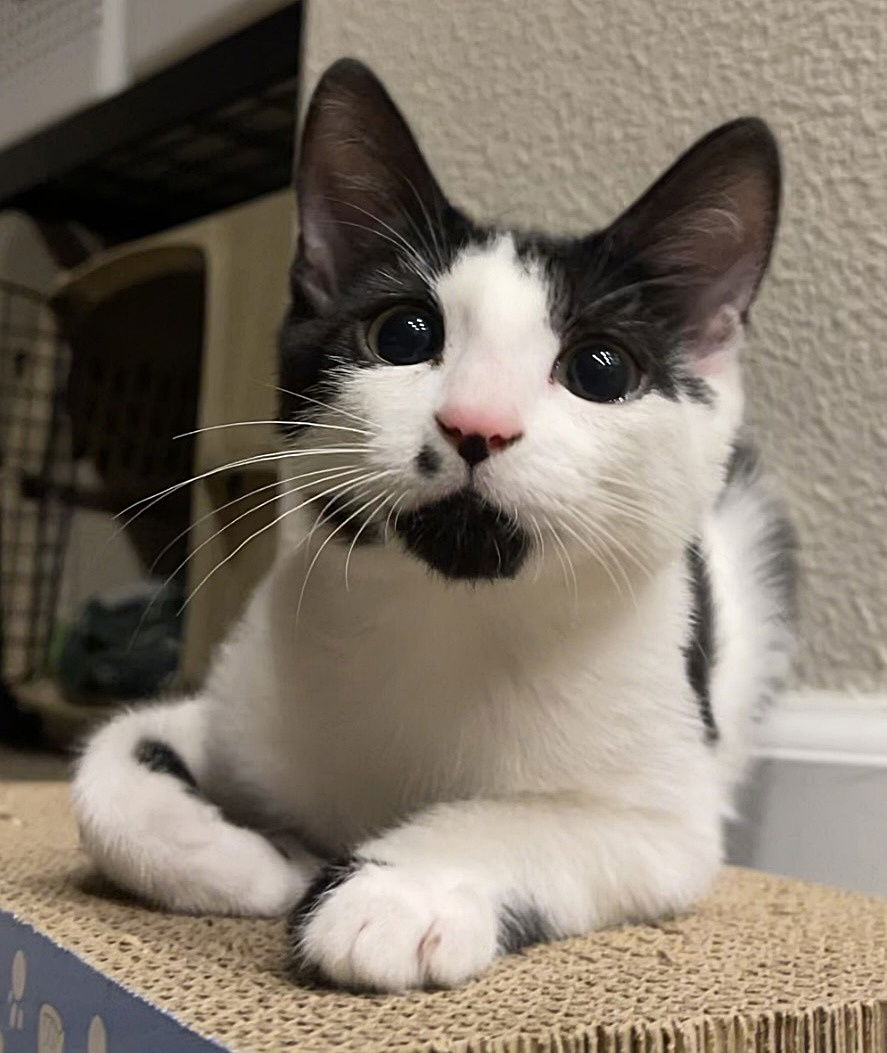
(489, 396)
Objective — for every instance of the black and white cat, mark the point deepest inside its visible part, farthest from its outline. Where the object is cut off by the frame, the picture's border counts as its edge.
(531, 587)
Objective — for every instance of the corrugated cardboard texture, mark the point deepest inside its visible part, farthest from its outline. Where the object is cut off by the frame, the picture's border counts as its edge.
(765, 965)
(557, 113)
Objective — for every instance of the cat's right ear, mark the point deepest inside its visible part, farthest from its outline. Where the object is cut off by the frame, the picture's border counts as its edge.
(361, 182)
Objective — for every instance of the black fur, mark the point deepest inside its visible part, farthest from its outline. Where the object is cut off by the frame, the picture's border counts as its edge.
(428, 461)
(463, 537)
(700, 649)
(312, 345)
(334, 874)
(521, 927)
(158, 757)
(597, 292)
(582, 273)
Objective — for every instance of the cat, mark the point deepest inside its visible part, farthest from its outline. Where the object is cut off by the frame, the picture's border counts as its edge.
(531, 586)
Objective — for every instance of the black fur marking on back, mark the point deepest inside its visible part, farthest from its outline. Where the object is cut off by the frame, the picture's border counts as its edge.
(700, 650)
(465, 538)
(781, 571)
(521, 927)
(780, 563)
(156, 756)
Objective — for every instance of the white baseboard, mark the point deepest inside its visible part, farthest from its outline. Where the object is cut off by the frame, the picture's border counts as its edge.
(831, 727)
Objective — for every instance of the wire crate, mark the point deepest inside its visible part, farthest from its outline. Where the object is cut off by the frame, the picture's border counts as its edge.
(36, 479)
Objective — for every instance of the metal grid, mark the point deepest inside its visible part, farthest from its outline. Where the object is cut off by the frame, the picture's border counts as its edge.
(36, 473)
(208, 163)
(207, 133)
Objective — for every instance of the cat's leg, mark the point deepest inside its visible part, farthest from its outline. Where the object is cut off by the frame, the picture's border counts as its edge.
(147, 824)
(433, 902)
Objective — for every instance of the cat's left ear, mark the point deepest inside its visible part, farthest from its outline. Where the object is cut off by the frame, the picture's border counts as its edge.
(705, 231)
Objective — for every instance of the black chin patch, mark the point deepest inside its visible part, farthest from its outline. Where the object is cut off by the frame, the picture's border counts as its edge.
(465, 538)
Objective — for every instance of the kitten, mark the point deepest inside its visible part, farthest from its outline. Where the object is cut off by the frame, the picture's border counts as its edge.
(530, 591)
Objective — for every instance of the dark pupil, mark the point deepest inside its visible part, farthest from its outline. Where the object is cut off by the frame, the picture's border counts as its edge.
(406, 337)
(598, 373)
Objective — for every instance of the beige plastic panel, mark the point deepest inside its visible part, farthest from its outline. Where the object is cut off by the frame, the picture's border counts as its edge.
(246, 256)
(247, 252)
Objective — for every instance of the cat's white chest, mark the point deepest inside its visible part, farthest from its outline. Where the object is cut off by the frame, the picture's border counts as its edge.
(403, 692)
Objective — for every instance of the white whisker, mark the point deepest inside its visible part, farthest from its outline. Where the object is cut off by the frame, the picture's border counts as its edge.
(414, 260)
(337, 474)
(589, 546)
(236, 500)
(432, 228)
(269, 458)
(325, 542)
(380, 504)
(286, 423)
(416, 256)
(391, 511)
(609, 537)
(566, 563)
(324, 405)
(328, 476)
(262, 530)
(538, 534)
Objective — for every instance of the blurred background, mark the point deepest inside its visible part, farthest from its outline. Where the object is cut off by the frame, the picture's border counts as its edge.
(145, 232)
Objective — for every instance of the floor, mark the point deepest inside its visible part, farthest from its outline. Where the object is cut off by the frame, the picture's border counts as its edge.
(20, 765)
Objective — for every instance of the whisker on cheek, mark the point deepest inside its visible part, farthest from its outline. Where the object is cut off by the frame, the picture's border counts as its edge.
(269, 526)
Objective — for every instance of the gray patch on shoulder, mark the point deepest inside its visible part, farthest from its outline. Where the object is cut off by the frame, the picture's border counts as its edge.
(778, 546)
(744, 463)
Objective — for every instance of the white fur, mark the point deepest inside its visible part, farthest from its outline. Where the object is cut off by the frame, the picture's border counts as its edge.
(531, 744)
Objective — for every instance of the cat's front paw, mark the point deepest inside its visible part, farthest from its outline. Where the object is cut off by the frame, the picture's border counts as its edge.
(390, 928)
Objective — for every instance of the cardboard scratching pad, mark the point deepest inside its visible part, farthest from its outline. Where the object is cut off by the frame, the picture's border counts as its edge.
(765, 965)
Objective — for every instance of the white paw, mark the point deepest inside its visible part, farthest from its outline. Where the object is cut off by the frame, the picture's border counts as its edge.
(391, 928)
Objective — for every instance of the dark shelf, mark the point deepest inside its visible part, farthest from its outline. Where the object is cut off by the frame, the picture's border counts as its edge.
(212, 131)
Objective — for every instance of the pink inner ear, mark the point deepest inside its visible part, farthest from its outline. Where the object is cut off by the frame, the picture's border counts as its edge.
(715, 317)
(717, 341)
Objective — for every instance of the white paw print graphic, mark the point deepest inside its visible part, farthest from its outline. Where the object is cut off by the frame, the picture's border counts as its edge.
(97, 1039)
(50, 1028)
(50, 1031)
(17, 991)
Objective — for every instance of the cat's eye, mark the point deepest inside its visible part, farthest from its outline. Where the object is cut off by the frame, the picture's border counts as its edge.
(405, 335)
(598, 372)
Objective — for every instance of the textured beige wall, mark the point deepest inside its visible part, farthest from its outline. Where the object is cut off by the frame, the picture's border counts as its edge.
(558, 113)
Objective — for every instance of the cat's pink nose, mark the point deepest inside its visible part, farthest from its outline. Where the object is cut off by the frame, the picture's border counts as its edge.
(476, 435)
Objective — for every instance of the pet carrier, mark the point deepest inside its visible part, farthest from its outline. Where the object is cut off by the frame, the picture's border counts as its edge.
(36, 474)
